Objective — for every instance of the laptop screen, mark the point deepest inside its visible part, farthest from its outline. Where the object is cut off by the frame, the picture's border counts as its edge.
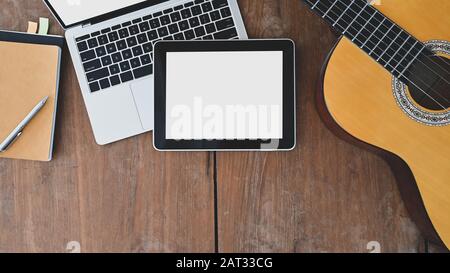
(71, 12)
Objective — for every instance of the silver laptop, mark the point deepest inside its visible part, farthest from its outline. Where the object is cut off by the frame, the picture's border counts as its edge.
(111, 43)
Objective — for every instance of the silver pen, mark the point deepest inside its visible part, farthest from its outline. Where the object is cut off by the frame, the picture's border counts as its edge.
(15, 134)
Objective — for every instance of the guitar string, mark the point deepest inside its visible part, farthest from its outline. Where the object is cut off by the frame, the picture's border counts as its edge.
(407, 42)
(393, 41)
(420, 89)
(363, 9)
(314, 5)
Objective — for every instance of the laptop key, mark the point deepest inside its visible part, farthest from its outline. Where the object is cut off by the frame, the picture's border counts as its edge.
(204, 19)
(133, 30)
(208, 37)
(82, 46)
(103, 39)
(186, 13)
(131, 41)
(168, 11)
(168, 38)
(101, 51)
(179, 7)
(226, 34)
(210, 28)
(121, 45)
(142, 38)
(137, 50)
(114, 69)
(135, 62)
(95, 34)
(126, 24)
(189, 34)
(135, 21)
(143, 71)
(152, 35)
(145, 59)
(113, 36)
(94, 86)
(116, 57)
(92, 43)
(97, 74)
(224, 24)
(148, 47)
(215, 15)
(115, 80)
(157, 14)
(125, 66)
(106, 60)
(217, 4)
(116, 27)
(173, 28)
(144, 26)
(87, 55)
(106, 30)
(200, 31)
(104, 83)
(126, 54)
(126, 77)
(92, 65)
(194, 22)
(111, 48)
(147, 17)
(178, 36)
(226, 12)
(207, 7)
(165, 20)
(163, 31)
(155, 23)
(190, 4)
(82, 38)
(176, 16)
(183, 25)
(196, 10)
(123, 33)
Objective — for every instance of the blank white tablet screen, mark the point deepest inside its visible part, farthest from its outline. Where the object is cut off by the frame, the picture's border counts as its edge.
(224, 95)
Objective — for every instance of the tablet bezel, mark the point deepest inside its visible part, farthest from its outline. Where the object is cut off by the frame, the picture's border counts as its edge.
(288, 141)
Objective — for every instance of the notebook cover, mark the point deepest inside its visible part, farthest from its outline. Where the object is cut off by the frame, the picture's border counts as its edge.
(28, 73)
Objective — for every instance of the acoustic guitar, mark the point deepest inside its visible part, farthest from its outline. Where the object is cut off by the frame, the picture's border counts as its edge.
(386, 87)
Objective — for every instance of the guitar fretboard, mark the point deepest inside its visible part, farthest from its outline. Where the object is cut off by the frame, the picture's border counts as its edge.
(373, 32)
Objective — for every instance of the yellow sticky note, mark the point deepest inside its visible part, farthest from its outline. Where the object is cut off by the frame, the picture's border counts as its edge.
(43, 26)
(32, 27)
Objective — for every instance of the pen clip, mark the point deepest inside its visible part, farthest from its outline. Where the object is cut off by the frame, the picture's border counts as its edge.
(11, 142)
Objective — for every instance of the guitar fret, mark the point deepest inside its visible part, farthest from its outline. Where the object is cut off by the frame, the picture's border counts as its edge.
(392, 57)
(364, 26)
(392, 42)
(329, 9)
(315, 5)
(413, 59)
(384, 36)
(357, 15)
(342, 14)
(369, 39)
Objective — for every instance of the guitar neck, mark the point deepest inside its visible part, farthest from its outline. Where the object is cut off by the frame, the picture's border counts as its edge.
(383, 40)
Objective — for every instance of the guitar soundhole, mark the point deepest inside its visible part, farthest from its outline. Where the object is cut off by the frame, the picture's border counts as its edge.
(429, 83)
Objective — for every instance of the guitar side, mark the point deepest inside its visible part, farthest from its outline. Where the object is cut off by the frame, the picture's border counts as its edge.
(357, 103)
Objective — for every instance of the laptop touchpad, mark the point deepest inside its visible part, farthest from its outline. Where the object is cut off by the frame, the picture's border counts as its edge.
(143, 96)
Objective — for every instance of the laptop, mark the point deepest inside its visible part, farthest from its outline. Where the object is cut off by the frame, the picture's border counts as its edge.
(111, 44)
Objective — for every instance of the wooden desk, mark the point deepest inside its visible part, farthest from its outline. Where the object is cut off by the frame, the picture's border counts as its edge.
(325, 196)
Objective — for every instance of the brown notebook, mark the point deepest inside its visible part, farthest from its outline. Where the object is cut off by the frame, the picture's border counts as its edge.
(29, 72)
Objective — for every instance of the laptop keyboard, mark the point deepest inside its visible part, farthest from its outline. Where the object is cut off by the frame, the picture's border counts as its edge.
(124, 52)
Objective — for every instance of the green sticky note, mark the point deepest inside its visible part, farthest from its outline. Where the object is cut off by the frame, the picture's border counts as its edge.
(43, 26)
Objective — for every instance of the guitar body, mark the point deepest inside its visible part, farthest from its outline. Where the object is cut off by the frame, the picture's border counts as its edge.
(357, 102)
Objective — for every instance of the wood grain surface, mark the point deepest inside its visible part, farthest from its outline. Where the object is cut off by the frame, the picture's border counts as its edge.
(325, 196)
